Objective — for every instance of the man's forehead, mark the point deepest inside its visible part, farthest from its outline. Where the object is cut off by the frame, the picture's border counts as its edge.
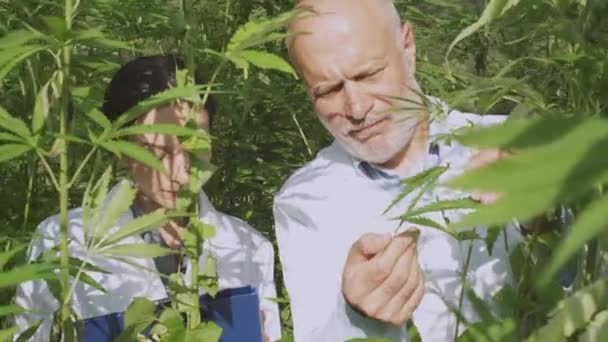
(342, 25)
(365, 13)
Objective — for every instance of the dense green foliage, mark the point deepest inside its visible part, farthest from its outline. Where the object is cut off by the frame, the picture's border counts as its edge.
(544, 62)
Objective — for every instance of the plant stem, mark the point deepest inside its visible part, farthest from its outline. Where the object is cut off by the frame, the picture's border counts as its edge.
(81, 167)
(295, 120)
(195, 313)
(194, 318)
(463, 281)
(187, 46)
(28, 195)
(48, 170)
(213, 77)
(65, 314)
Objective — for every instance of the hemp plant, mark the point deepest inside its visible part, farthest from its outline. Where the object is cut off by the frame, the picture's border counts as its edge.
(53, 109)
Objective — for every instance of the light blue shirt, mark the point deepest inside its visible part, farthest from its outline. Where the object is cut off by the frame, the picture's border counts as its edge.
(332, 201)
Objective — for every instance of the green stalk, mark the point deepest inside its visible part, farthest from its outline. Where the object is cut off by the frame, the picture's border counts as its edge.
(187, 46)
(302, 134)
(65, 313)
(81, 166)
(195, 313)
(463, 282)
(31, 169)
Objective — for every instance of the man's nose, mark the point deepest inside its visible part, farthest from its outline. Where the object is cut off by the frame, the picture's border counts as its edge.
(357, 102)
(180, 166)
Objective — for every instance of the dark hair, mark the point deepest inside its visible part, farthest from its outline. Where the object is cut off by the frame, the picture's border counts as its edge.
(142, 78)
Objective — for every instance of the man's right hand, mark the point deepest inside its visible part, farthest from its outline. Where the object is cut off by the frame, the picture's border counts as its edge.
(382, 277)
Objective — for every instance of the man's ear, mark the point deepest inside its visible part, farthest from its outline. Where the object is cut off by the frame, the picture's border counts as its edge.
(408, 44)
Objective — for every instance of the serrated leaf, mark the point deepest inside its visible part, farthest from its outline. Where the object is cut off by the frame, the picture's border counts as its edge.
(137, 250)
(563, 171)
(205, 332)
(57, 26)
(259, 32)
(590, 223)
(534, 132)
(574, 312)
(197, 144)
(171, 319)
(88, 280)
(14, 125)
(200, 172)
(185, 200)
(17, 38)
(140, 225)
(85, 265)
(597, 330)
(139, 314)
(555, 165)
(205, 231)
(416, 181)
(99, 118)
(240, 63)
(5, 257)
(96, 37)
(11, 151)
(41, 109)
(266, 60)
(9, 137)
(503, 331)
(7, 334)
(93, 199)
(27, 272)
(210, 269)
(167, 129)
(493, 10)
(163, 98)
(467, 235)
(135, 152)
(208, 279)
(426, 222)
(118, 205)
(11, 310)
(492, 234)
(29, 332)
(482, 309)
(445, 205)
(10, 59)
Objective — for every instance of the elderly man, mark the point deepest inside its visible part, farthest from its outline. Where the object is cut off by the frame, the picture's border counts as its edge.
(347, 275)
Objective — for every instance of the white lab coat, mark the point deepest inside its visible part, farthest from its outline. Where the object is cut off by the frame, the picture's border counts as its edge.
(244, 257)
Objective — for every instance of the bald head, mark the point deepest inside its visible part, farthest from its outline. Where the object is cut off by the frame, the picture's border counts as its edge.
(344, 17)
(358, 64)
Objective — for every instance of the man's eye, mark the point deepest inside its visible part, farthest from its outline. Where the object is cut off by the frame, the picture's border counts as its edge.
(370, 75)
(328, 92)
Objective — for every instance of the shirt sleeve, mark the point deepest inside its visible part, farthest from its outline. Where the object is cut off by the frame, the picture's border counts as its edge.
(35, 296)
(272, 325)
(319, 310)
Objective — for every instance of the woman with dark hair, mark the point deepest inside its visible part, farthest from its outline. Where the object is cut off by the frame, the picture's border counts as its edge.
(244, 256)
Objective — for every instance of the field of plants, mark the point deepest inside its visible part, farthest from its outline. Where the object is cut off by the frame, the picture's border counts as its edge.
(544, 63)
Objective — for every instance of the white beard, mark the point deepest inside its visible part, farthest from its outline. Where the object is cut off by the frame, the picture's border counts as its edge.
(381, 148)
